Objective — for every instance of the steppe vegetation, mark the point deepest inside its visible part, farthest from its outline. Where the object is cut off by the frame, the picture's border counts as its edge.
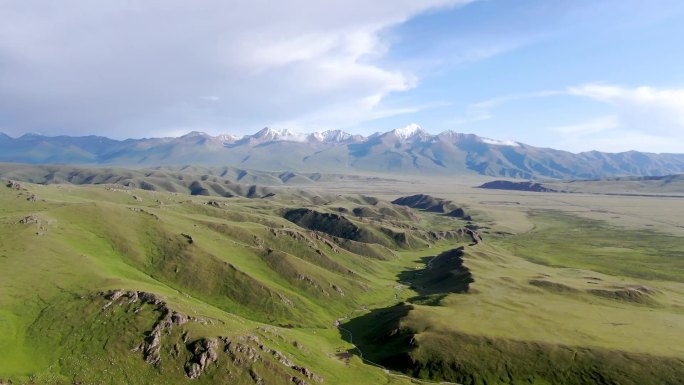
(109, 284)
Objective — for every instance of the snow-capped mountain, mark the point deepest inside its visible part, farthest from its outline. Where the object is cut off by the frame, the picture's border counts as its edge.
(411, 131)
(405, 150)
(268, 134)
(334, 137)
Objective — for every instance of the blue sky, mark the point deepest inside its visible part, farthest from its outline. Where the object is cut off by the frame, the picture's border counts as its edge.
(575, 75)
(504, 69)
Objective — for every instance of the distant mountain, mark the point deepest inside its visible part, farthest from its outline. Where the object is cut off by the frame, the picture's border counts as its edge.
(408, 150)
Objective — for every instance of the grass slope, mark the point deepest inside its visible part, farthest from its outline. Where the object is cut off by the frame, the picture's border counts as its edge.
(582, 317)
(236, 266)
(574, 300)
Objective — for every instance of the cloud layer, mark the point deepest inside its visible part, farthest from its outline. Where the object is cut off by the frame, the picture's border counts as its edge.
(149, 68)
(658, 112)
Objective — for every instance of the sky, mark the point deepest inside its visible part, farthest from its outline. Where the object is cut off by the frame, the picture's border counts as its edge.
(576, 75)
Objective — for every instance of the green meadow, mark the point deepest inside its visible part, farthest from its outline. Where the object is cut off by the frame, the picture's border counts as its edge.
(547, 297)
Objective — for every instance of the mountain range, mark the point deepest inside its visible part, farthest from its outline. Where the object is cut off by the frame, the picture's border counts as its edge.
(408, 150)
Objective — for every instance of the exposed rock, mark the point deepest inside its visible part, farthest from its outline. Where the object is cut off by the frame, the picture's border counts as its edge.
(309, 374)
(178, 318)
(337, 289)
(333, 246)
(137, 198)
(203, 353)
(29, 220)
(244, 351)
(193, 370)
(151, 346)
(241, 350)
(298, 381)
(32, 198)
(142, 211)
(308, 280)
(149, 298)
(188, 238)
(285, 300)
(115, 294)
(474, 235)
(282, 359)
(213, 204)
(257, 380)
(14, 185)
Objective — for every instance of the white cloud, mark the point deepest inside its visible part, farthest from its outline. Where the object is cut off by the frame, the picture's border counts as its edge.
(650, 110)
(635, 118)
(484, 110)
(495, 102)
(592, 126)
(117, 67)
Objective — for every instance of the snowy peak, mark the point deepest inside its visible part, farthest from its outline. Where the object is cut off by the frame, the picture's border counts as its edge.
(409, 131)
(227, 138)
(268, 134)
(410, 134)
(331, 136)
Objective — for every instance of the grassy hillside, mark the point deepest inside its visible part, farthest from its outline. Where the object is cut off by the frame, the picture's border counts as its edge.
(574, 301)
(110, 284)
(246, 281)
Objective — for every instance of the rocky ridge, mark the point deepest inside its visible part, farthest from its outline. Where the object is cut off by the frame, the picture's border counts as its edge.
(202, 354)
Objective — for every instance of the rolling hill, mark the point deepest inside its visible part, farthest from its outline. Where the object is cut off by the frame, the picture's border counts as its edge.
(103, 283)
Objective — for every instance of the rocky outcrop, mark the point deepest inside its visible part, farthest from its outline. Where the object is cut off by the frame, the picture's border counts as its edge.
(14, 185)
(256, 378)
(151, 346)
(307, 373)
(247, 353)
(474, 235)
(142, 211)
(29, 220)
(188, 238)
(204, 352)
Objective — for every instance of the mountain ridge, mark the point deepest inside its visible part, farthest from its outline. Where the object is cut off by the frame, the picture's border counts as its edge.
(408, 150)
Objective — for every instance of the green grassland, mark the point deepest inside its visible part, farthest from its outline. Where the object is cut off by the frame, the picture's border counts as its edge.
(549, 297)
(235, 263)
(573, 301)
